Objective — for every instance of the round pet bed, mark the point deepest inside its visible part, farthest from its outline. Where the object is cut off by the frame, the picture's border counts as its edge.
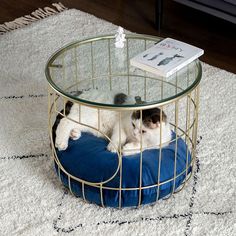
(88, 159)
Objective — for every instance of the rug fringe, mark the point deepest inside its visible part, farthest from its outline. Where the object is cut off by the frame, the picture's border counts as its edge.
(32, 17)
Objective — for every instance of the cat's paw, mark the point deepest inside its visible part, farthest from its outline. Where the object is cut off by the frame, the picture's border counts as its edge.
(111, 148)
(61, 142)
(61, 145)
(130, 149)
(75, 134)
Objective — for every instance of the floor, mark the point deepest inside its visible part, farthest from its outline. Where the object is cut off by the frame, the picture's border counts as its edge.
(217, 37)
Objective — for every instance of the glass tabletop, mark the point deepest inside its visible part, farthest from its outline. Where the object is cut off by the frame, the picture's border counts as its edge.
(93, 71)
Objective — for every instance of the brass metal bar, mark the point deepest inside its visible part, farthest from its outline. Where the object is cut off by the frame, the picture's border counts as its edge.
(187, 130)
(141, 160)
(197, 112)
(101, 195)
(160, 156)
(176, 142)
(80, 114)
(59, 172)
(176, 83)
(99, 119)
(176, 136)
(194, 115)
(64, 106)
(49, 117)
(69, 184)
(196, 124)
(120, 155)
(49, 106)
(187, 116)
(54, 102)
(196, 98)
(50, 134)
(83, 192)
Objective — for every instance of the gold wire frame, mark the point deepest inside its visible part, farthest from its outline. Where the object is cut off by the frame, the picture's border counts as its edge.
(189, 97)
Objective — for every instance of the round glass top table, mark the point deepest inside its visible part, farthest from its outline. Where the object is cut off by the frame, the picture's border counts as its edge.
(96, 63)
(82, 72)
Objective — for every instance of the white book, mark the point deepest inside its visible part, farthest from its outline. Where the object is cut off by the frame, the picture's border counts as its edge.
(166, 57)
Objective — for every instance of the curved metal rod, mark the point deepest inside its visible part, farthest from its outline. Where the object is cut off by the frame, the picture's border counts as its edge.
(71, 176)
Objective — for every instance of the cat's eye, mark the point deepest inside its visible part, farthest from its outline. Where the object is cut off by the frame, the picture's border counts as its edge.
(133, 124)
(144, 131)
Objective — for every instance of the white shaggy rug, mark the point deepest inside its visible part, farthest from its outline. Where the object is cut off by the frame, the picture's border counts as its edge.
(32, 200)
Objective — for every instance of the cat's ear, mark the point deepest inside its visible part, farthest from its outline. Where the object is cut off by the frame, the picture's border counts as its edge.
(135, 115)
(155, 118)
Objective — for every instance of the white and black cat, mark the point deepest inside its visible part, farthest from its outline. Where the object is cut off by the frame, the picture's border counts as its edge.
(134, 131)
(108, 124)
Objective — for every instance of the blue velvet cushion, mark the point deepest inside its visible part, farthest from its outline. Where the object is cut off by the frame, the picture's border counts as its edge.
(88, 159)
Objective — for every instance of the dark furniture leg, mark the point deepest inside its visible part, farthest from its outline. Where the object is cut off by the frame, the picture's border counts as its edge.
(158, 13)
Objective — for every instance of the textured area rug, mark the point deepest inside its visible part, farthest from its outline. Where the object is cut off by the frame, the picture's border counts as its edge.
(33, 202)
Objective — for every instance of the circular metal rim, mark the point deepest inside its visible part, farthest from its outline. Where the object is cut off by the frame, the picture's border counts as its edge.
(111, 106)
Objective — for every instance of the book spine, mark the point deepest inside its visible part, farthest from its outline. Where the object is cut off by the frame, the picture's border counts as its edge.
(141, 66)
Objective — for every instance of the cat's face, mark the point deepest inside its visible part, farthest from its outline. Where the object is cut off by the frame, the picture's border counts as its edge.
(150, 122)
